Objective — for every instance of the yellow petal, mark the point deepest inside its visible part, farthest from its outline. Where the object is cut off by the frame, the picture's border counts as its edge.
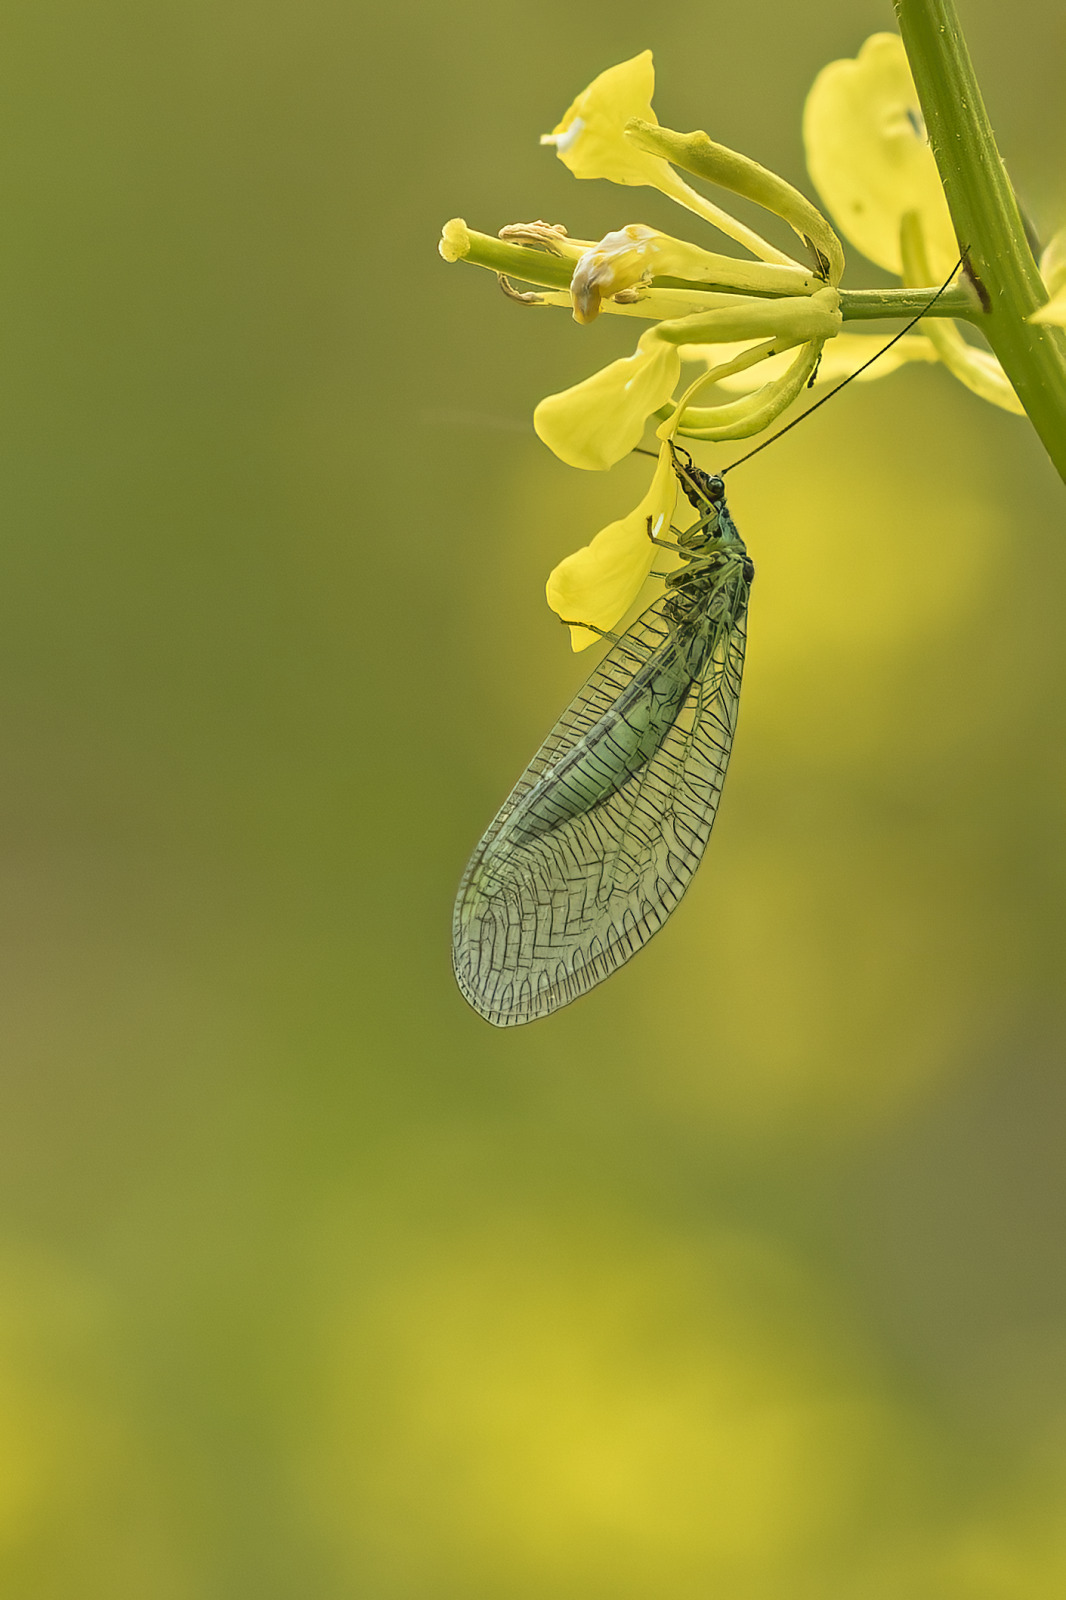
(1055, 310)
(841, 358)
(869, 157)
(597, 422)
(978, 369)
(589, 138)
(599, 582)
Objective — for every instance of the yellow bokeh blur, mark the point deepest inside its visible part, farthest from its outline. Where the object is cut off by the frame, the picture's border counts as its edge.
(684, 1413)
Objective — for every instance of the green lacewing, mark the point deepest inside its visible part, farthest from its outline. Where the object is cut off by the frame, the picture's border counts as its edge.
(601, 835)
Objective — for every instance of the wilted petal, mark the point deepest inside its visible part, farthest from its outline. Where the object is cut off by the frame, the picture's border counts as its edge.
(636, 254)
(869, 156)
(842, 358)
(589, 138)
(599, 582)
(597, 422)
(620, 260)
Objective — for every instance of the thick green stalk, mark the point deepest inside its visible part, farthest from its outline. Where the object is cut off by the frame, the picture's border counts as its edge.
(986, 217)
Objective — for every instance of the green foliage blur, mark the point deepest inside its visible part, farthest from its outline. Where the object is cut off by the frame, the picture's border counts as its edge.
(745, 1276)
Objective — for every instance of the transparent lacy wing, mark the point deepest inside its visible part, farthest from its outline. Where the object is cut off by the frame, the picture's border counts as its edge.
(541, 919)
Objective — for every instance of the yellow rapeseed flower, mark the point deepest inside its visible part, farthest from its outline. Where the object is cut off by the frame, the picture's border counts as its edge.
(868, 155)
(759, 326)
(869, 158)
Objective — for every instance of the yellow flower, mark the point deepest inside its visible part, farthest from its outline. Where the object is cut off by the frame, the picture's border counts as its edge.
(763, 328)
(689, 293)
(599, 582)
(638, 270)
(869, 157)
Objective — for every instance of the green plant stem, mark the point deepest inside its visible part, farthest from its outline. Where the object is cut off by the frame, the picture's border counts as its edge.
(986, 217)
(867, 305)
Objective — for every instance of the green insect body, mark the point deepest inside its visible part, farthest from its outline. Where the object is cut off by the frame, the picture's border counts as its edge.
(600, 837)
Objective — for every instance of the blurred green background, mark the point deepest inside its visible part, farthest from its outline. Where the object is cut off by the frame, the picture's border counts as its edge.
(745, 1277)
